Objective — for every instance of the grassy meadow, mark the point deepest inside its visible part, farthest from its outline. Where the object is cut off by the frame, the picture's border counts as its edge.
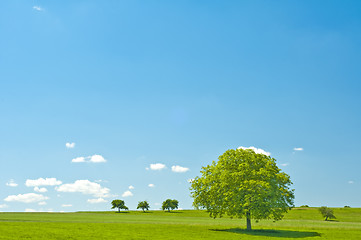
(305, 223)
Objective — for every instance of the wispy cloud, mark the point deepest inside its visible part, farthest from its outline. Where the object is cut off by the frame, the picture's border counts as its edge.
(78, 159)
(41, 190)
(151, 185)
(12, 183)
(131, 187)
(92, 159)
(42, 203)
(38, 8)
(179, 169)
(30, 210)
(256, 150)
(69, 145)
(101, 180)
(26, 198)
(96, 200)
(350, 182)
(298, 149)
(156, 166)
(85, 187)
(66, 205)
(127, 194)
(3, 206)
(42, 182)
(284, 164)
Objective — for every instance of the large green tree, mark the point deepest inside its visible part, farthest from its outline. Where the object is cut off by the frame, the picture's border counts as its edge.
(243, 184)
(143, 205)
(170, 204)
(120, 204)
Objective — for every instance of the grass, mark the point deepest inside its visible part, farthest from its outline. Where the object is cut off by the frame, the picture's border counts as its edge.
(299, 223)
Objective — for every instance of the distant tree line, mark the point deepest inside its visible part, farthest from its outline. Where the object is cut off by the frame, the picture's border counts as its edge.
(168, 205)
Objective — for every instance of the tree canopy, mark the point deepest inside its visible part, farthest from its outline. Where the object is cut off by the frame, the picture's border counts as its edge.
(120, 204)
(170, 204)
(243, 184)
(143, 205)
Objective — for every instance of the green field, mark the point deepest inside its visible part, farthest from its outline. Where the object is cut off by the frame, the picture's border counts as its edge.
(304, 223)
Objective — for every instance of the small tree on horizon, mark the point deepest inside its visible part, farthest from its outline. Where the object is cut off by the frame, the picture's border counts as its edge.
(120, 204)
(327, 213)
(170, 204)
(143, 205)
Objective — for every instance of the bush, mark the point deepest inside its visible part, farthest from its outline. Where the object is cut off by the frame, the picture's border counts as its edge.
(304, 206)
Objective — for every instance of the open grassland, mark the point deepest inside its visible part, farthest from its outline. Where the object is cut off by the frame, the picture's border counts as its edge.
(305, 223)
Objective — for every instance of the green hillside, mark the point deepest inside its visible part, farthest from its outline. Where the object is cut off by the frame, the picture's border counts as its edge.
(304, 223)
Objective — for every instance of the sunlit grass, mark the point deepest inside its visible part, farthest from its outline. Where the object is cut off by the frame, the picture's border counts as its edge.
(187, 224)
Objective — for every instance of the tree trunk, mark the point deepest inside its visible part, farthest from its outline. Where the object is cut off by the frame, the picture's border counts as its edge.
(248, 216)
(118, 209)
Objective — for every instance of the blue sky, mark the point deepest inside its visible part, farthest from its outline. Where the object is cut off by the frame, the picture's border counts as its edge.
(174, 83)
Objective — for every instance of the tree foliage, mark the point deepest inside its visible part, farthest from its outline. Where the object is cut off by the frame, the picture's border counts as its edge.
(120, 204)
(243, 184)
(327, 213)
(170, 204)
(143, 205)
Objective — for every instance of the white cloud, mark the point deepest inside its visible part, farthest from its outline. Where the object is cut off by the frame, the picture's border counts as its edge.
(66, 205)
(42, 182)
(96, 158)
(78, 159)
(131, 187)
(96, 200)
(127, 194)
(151, 185)
(179, 169)
(256, 150)
(298, 149)
(156, 166)
(3, 206)
(38, 8)
(41, 190)
(350, 182)
(69, 145)
(85, 187)
(284, 164)
(26, 198)
(12, 183)
(30, 210)
(42, 203)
